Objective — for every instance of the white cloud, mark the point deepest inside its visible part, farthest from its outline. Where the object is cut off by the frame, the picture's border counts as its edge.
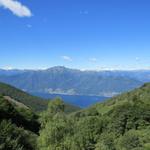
(67, 58)
(16, 8)
(7, 68)
(93, 59)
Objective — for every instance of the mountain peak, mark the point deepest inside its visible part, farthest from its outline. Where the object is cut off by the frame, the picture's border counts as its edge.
(60, 68)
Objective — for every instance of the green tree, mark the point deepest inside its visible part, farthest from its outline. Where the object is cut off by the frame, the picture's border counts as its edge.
(130, 140)
(14, 138)
(55, 127)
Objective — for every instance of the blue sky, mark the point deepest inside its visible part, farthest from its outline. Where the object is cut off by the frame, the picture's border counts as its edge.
(84, 34)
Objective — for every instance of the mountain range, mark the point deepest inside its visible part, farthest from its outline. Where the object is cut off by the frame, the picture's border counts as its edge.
(65, 81)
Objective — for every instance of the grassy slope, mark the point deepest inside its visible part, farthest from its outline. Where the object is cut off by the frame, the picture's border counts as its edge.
(139, 95)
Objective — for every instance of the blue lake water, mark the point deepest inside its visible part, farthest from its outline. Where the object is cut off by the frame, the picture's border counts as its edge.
(82, 101)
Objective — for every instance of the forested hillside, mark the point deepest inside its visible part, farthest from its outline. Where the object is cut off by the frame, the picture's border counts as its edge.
(19, 124)
(19, 127)
(33, 102)
(121, 123)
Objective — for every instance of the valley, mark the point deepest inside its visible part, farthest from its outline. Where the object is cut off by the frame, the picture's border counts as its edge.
(75, 75)
(122, 122)
(81, 88)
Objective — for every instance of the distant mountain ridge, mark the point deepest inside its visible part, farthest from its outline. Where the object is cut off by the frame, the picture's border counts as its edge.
(62, 80)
